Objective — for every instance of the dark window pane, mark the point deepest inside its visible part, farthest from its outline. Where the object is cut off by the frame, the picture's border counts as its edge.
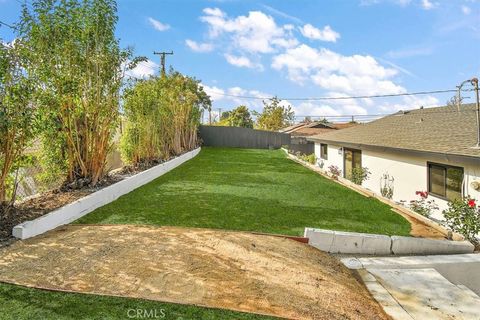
(454, 183)
(437, 180)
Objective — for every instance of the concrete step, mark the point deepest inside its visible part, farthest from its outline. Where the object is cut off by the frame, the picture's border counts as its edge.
(426, 294)
(468, 291)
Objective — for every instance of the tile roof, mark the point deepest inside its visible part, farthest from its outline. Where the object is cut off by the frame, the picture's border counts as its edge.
(442, 130)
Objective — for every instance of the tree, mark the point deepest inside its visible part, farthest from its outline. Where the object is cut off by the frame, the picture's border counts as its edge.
(240, 117)
(78, 66)
(324, 121)
(17, 116)
(225, 115)
(275, 116)
(162, 117)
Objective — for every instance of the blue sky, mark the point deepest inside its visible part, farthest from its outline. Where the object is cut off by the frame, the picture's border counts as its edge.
(306, 48)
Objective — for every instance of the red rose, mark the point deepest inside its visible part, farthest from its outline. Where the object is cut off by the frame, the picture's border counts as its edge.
(471, 203)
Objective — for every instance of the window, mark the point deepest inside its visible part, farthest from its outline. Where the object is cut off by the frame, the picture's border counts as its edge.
(324, 151)
(445, 181)
(351, 159)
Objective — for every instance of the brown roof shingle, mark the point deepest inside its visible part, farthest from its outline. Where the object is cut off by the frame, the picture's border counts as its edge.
(442, 130)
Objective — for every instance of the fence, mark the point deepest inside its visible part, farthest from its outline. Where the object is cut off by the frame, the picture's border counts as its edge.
(218, 136)
(300, 144)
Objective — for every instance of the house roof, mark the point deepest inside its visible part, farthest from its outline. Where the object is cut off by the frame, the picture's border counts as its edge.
(443, 130)
(315, 128)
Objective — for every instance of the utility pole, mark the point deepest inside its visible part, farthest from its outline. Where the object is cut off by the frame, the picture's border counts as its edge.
(474, 82)
(162, 59)
(219, 114)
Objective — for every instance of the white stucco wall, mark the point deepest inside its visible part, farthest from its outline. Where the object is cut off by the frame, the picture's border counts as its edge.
(410, 173)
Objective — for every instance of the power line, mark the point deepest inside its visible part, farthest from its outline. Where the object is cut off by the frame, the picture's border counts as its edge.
(341, 97)
(401, 112)
(7, 25)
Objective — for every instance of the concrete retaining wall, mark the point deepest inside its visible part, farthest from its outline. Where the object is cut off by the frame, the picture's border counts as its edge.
(348, 242)
(83, 206)
(363, 243)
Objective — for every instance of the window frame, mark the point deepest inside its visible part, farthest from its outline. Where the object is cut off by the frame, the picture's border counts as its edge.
(323, 155)
(445, 167)
(358, 151)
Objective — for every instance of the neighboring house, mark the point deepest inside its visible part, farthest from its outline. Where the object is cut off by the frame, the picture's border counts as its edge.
(300, 132)
(315, 128)
(420, 150)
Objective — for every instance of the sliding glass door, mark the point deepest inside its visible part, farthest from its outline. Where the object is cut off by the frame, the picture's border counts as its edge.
(351, 159)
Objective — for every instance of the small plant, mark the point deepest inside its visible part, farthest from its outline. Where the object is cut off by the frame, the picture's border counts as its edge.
(386, 186)
(334, 172)
(463, 216)
(311, 158)
(359, 175)
(423, 206)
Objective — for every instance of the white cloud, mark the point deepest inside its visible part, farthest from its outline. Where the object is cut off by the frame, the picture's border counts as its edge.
(410, 102)
(466, 10)
(356, 74)
(410, 52)
(143, 70)
(326, 34)
(199, 47)
(254, 33)
(158, 25)
(215, 93)
(241, 61)
(228, 98)
(427, 4)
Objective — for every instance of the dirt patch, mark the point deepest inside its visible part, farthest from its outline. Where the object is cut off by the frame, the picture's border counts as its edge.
(420, 229)
(231, 270)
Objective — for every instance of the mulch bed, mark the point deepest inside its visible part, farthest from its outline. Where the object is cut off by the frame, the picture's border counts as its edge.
(49, 201)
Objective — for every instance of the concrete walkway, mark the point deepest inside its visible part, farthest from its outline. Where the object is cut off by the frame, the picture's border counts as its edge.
(425, 287)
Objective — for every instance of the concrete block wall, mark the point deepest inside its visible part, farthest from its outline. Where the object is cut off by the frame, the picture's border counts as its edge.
(372, 244)
(83, 206)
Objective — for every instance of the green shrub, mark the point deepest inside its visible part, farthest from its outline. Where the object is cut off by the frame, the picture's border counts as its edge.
(463, 216)
(311, 158)
(78, 65)
(17, 116)
(359, 175)
(162, 115)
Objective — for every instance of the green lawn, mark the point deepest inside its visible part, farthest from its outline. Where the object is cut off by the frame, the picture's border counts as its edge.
(235, 189)
(250, 190)
(18, 303)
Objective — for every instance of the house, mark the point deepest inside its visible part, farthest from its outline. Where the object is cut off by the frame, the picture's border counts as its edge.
(430, 150)
(300, 132)
(314, 128)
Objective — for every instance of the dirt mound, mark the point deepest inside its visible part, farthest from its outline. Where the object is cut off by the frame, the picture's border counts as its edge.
(231, 270)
